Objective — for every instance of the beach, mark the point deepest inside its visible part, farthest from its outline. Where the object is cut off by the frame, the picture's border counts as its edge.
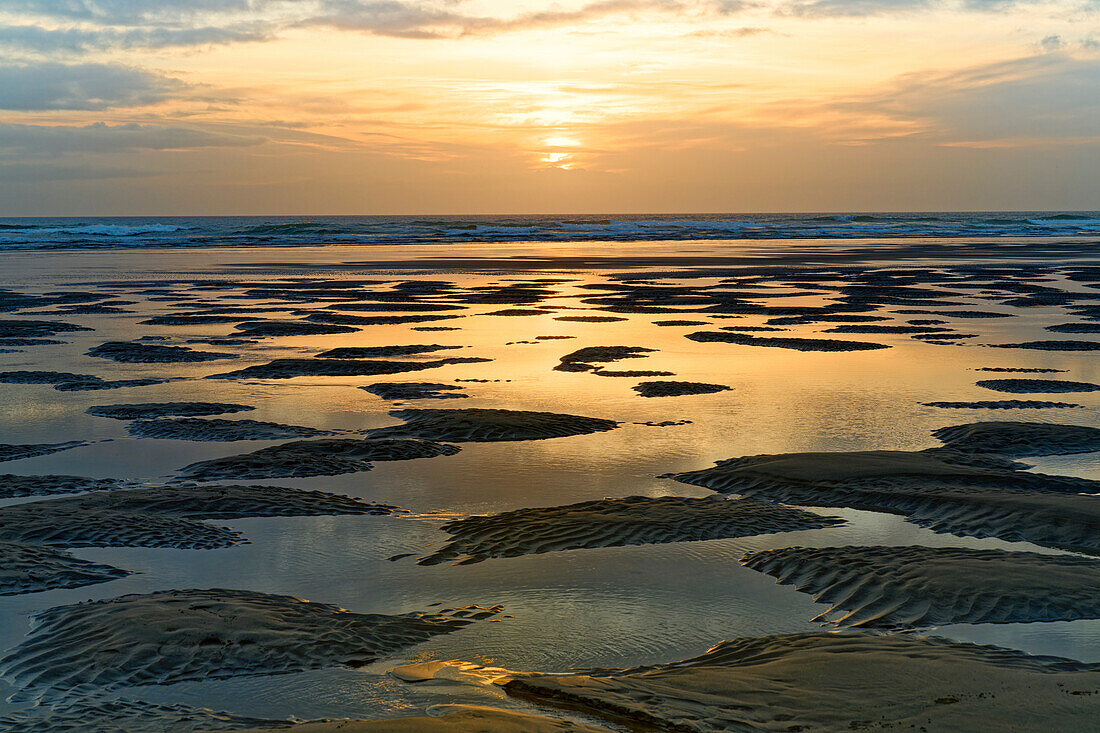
(589, 485)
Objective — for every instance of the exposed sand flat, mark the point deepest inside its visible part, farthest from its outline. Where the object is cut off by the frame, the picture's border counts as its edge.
(1037, 386)
(96, 714)
(31, 569)
(290, 368)
(633, 520)
(783, 342)
(214, 502)
(34, 329)
(631, 373)
(69, 382)
(1002, 405)
(66, 524)
(583, 360)
(314, 458)
(415, 391)
(269, 329)
(676, 389)
(177, 635)
(590, 319)
(15, 452)
(978, 501)
(879, 328)
(679, 322)
(100, 384)
(1020, 370)
(836, 682)
(466, 719)
(165, 409)
(476, 425)
(1053, 345)
(198, 429)
(1020, 438)
(374, 352)
(129, 352)
(14, 485)
(901, 587)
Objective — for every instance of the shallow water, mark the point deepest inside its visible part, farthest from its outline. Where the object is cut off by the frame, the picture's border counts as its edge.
(610, 607)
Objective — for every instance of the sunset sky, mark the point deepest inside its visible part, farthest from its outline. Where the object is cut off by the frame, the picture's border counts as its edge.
(486, 106)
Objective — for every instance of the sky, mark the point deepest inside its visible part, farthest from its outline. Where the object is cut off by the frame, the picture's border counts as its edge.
(264, 107)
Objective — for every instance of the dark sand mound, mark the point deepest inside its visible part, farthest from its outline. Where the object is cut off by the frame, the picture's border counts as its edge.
(1020, 438)
(518, 312)
(878, 328)
(305, 458)
(177, 635)
(165, 409)
(899, 587)
(590, 319)
(390, 320)
(1019, 370)
(675, 389)
(375, 352)
(16, 452)
(270, 329)
(290, 368)
(631, 373)
(583, 360)
(165, 516)
(1053, 345)
(36, 329)
(949, 497)
(1037, 386)
(97, 384)
(466, 719)
(487, 425)
(414, 391)
(13, 485)
(1075, 328)
(30, 569)
(129, 352)
(58, 522)
(96, 714)
(191, 428)
(834, 682)
(799, 344)
(1001, 405)
(220, 502)
(633, 520)
(675, 322)
(191, 319)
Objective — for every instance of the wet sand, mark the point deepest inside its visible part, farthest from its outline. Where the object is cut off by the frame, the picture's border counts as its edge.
(539, 519)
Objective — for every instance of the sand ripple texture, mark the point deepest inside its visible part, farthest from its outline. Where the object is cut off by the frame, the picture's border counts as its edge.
(149, 410)
(784, 342)
(415, 391)
(1037, 386)
(465, 719)
(93, 714)
(837, 682)
(14, 485)
(30, 569)
(177, 635)
(676, 389)
(10, 452)
(128, 352)
(1020, 439)
(900, 587)
(165, 516)
(305, 458)
(960, 499)
(476, 425)
(633, 520)
(290, 368)
(197, 429)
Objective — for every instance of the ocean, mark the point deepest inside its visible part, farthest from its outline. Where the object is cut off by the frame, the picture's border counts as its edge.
(276, 231)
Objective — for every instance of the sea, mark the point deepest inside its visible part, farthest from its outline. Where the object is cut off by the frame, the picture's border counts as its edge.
(282, 231)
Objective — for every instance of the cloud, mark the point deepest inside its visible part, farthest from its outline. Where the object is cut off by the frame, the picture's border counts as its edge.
(1050, 98)
(35, 39)
(22, 140)
(55, 86)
